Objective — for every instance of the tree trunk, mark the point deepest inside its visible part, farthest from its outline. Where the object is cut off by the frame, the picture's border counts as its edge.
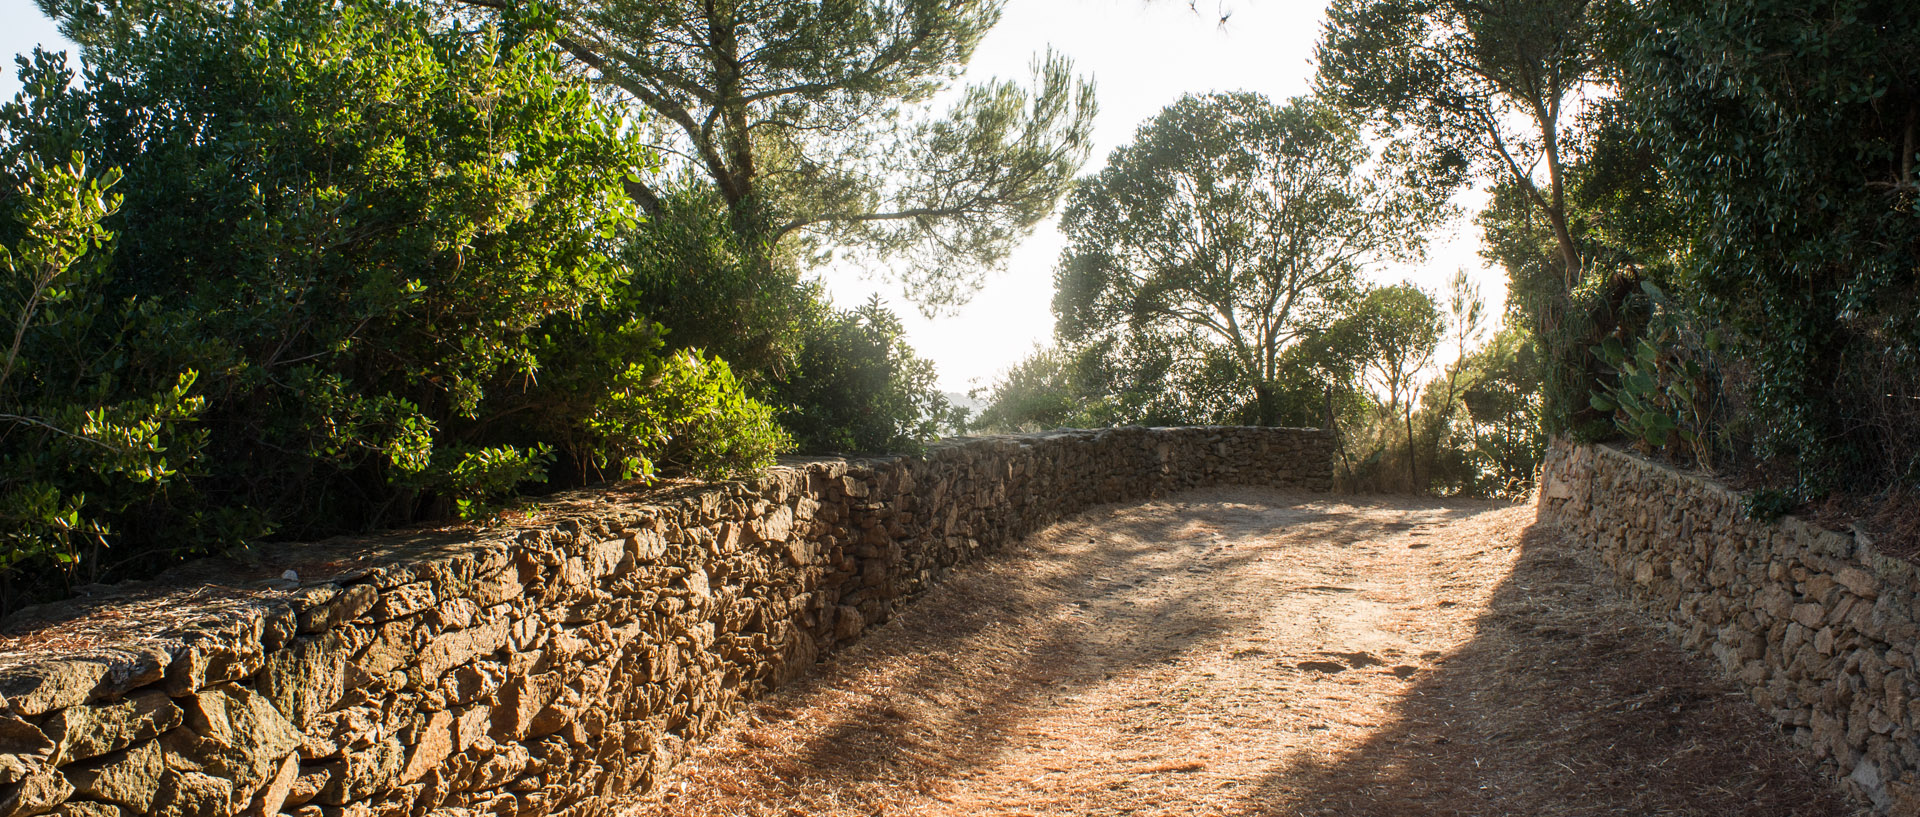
(1340, 445)
(1571, 266)
(1413, 475)
(1265, 409)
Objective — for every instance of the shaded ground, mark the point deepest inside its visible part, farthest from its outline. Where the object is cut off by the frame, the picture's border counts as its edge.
(1241, 652)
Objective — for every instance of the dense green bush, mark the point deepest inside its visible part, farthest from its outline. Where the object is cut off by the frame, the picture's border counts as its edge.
(347, 222)
(1787, 133)
(856, 387)
(715, 290)
(76, 448)
(362, 275)
(687, 413)
(1046, 390)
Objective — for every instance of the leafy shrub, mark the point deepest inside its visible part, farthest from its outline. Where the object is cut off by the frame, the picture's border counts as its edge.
(347, 221)
(857, 387)
(74, 451)
(1665, 397)
(1767, 504)
(712, 290)
(687, 413)
(845, 380)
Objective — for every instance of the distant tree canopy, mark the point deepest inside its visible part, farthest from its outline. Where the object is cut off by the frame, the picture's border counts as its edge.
(1389, 337)
(1229, 229)
(1039, 392)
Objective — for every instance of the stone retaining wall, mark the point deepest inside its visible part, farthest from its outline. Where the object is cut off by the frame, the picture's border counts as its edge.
(1819, 628)
(547, 668)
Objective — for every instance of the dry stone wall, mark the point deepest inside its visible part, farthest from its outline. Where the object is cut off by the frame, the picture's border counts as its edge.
(551, 667)
(1818, 627)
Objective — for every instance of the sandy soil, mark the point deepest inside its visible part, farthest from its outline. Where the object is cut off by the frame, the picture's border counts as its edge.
(1241, 652)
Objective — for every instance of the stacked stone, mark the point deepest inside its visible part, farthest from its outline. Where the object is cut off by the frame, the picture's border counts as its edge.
(551, 668)
(1818, 627)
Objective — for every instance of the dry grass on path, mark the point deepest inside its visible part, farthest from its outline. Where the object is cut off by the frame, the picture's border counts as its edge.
(1240, 652)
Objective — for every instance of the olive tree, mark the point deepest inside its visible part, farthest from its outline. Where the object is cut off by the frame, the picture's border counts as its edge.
(1228, 229)
(1391, 335)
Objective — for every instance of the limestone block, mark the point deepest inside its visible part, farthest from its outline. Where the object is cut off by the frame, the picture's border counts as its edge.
(521, 701)
(502, 585)
(193, 794)
(394, 647)
(307, 784)
(430, 745)
(344, 606)
(1809, 615)
(776, 526)
(1858, 582)
(848, 623)
(37, 793)
(23, 749)
(213, 658)
(130, 778)
(81, 732)
(273, 796)
(607, 557)
(404, 600)
(34, 689)
(360, 773)
(470, 726)
(471, 682)
(854, 487)
(307, 677)
(232, 733)
(87, 808)
(454, 614)
(645, 546)
(449, 650)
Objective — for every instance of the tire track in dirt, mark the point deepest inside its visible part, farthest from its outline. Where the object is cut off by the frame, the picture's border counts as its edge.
(1243, 652)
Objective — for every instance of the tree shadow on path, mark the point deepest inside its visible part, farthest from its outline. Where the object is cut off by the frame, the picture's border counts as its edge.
(1566, 702)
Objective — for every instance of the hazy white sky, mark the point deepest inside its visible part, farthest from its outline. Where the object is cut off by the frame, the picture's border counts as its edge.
(1142, 56)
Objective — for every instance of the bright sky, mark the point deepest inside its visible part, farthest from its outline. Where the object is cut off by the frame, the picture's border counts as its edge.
(1142, 57)
(22, 27)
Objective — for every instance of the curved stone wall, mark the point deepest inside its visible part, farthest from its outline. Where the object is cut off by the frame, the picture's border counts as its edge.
(550, 667)
(1818, 627)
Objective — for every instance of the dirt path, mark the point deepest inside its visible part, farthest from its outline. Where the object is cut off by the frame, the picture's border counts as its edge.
(1237, 652)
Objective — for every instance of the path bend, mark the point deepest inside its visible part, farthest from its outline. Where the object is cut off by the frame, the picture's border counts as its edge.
(1245, 652)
